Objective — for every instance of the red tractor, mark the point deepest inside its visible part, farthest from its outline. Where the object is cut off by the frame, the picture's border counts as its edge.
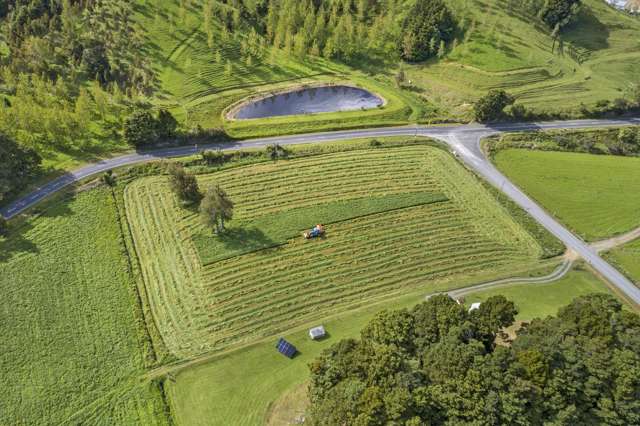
(316, 232)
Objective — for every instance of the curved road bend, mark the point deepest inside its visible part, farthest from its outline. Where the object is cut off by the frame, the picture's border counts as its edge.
(464, 140)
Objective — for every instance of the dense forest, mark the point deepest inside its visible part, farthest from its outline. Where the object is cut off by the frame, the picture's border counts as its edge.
(440, 364)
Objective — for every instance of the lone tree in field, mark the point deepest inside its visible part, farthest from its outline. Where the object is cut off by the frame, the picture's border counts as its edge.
(559, 13)
(427, 24)
(184, 184)
(439, 364)
(491, 106)
(216, 208)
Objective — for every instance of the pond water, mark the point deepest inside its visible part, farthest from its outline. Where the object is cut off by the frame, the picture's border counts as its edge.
(310, 100)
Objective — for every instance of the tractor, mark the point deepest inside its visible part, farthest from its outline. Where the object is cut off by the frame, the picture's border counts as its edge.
(316, 232)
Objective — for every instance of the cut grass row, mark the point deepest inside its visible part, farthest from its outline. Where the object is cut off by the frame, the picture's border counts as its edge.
(73, 338)
(239, 388)
(275, 229)
(362, 259)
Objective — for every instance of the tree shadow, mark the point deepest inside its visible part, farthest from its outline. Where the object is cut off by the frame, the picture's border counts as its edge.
(16, 242)
(240, 239)
(587, 31)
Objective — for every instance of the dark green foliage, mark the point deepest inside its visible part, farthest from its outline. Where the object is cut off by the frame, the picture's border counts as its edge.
(4, 227)
(213, 158)
(491, 106)
(216, 208)
(627, 142)
(184, 184)
(17, 165)
(559, 13)
(433, 366)
(108, 178)
(276, 151)
(427, 24)
(166, 125)
(95, 40)
(140, 128)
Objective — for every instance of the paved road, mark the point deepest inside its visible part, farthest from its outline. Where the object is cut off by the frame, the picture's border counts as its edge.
(464, 140)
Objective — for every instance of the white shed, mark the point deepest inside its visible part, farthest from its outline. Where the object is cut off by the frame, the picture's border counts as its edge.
(317, 332)
(474, 306)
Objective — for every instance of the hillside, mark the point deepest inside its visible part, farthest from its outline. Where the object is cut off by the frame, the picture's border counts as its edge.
(497, 45)
(70, 80)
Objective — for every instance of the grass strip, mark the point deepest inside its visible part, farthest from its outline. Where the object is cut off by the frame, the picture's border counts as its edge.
(274, 230)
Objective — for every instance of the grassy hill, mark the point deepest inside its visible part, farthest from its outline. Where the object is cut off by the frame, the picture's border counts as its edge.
(503, 49)
(497, 46)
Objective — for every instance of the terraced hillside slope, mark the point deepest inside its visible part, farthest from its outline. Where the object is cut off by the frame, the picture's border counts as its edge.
(595, 59)
(398, 219)
(497, 45)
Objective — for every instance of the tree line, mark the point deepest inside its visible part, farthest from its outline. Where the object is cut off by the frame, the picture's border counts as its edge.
(76, 40)
(439, 364)
(345, 30)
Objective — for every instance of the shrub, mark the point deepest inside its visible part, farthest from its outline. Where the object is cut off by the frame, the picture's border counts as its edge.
(140, 128)
(491, 106)
(212, 158)
(184, 184)
(108, 178)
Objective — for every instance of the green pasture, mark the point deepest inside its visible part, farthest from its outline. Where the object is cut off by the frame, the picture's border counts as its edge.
(74, 347)
(501, 48)
(627, 259)
(595, 195)
(541, 300)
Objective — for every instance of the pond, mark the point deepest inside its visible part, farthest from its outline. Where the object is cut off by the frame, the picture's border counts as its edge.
(310, 101)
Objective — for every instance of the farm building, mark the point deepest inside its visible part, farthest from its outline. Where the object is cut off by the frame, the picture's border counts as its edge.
(286, 348)
(317, 332)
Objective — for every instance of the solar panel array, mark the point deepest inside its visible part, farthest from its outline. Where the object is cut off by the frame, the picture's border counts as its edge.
(286, 348)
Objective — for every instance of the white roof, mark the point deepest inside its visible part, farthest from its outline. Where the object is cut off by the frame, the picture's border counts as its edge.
(474, 306)
(317, 332)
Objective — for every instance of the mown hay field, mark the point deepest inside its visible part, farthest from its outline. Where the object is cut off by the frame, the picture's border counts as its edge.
(73, 346)
(204, 299)
(595, 195)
